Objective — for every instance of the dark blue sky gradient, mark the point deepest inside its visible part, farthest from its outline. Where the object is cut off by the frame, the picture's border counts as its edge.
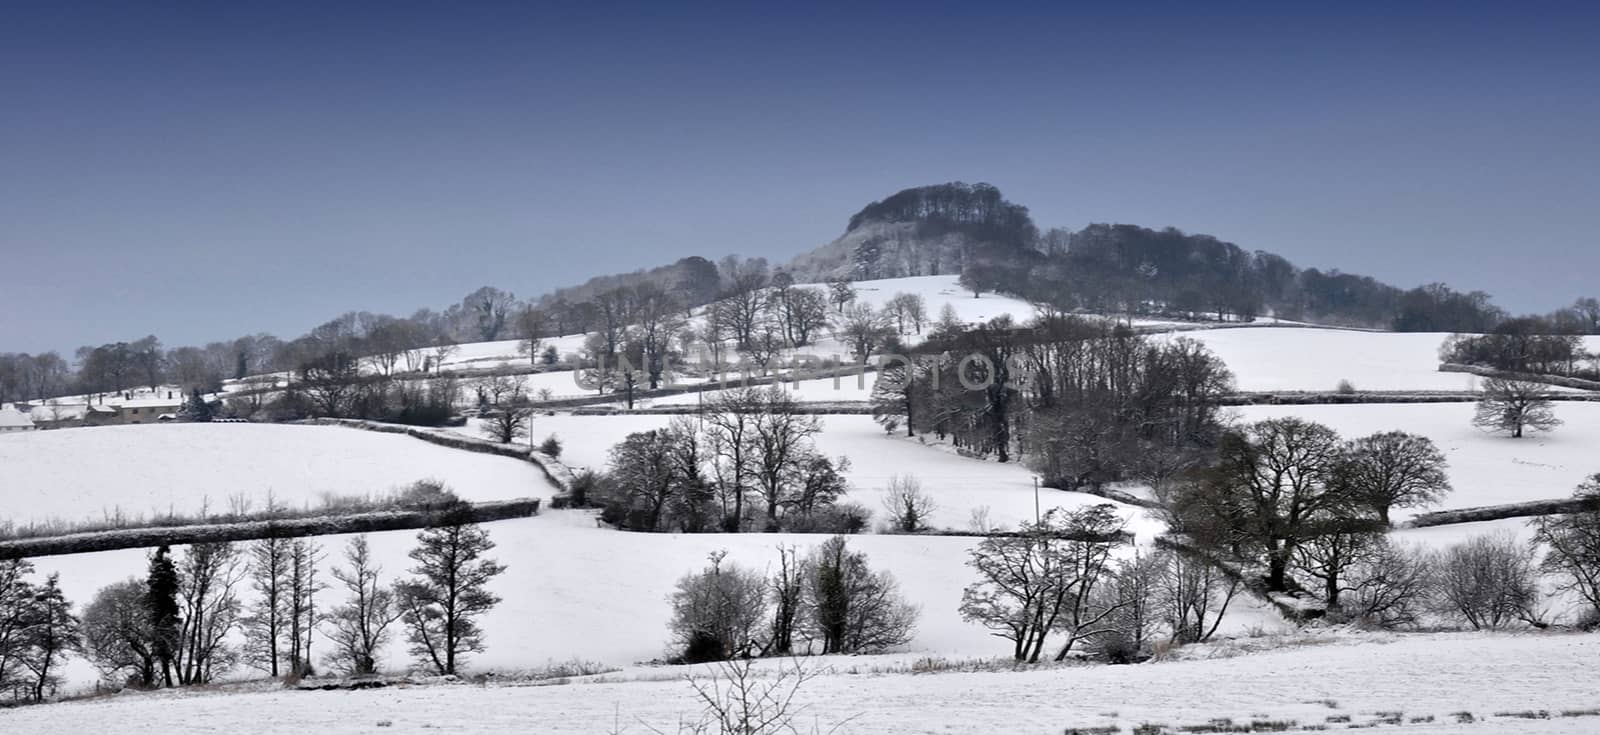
(204, 170)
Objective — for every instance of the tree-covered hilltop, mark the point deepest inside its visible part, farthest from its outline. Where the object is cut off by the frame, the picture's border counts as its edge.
(993, 243)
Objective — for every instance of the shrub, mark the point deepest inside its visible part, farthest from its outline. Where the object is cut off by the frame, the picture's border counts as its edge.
(1346, 387)
(1488, 582)
(551, 446)
(840, 518)
(718, 612)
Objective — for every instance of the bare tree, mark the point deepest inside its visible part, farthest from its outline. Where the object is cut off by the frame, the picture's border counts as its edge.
(803, 313)
(490, 309)
(840, 292)
(1328, 555)
(1513, 406)
(1572, 548)
(1489, 582)
(909, 311)
(360, 627)
(717, 613)
(780, 445)
(264, 623)
(854, 609)
(508, 409)
(1029, 581)
(863, 329)
(787, 587)
(441, 604)
(909, 507)
(1388, 586)
(300, 617)
(1395, 469)
(210, 606)
(1195, 595)
(1274, 483)
(117, 637)
(739, 702)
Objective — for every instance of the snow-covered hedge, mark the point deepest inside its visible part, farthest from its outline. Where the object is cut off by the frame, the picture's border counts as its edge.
(1545, 378)
(329, 525)
(1497, 512)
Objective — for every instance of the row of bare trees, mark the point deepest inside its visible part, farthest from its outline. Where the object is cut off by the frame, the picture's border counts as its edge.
(181, 625)
(1059, 579)
(747, 461)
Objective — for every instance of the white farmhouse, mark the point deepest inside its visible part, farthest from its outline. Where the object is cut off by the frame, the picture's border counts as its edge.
(13, 420)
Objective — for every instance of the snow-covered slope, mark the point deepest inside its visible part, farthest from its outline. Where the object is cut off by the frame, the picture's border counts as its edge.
(1310, 359)
(1486, 469)
(80, 474)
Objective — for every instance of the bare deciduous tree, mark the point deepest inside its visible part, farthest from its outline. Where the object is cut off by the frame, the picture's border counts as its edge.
(1394, 469)
(854, 609)
(1572, 549)
(1514, 406)
(1489, 582)
(718, 613)
(1029, 581)
(909, 508)
(360, 627)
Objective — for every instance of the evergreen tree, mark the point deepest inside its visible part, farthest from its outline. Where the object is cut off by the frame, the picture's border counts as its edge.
(161, 604)
(195, 408)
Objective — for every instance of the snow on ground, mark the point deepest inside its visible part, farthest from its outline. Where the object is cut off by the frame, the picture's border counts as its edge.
(1290, 358)
(1420, 681)
(1485, 469)
(81, 474)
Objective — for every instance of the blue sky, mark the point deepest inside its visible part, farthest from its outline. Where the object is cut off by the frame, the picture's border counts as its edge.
(205, 170)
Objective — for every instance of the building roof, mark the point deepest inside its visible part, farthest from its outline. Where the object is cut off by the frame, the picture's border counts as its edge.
(151, 403)
(11, 418)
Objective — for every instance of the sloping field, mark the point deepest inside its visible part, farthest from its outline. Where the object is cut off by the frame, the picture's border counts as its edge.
(1486, 469)
(83, 474)
(1293, 358)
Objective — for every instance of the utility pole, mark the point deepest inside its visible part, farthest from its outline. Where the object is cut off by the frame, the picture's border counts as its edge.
(1036, 517)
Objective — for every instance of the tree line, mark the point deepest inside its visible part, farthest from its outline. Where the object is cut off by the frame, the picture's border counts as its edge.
(198, 615)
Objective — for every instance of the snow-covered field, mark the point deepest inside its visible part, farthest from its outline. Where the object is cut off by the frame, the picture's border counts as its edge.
(1290, 358)
(1485, 469)
(83, 474)
(1458, 683)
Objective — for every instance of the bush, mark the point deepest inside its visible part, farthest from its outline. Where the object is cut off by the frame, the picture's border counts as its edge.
(428, 493)
(585, 486)
(718, 612)
(1488, 582)
(551, 446)
(1346, 387)
(840, 518)
(1388, 586)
